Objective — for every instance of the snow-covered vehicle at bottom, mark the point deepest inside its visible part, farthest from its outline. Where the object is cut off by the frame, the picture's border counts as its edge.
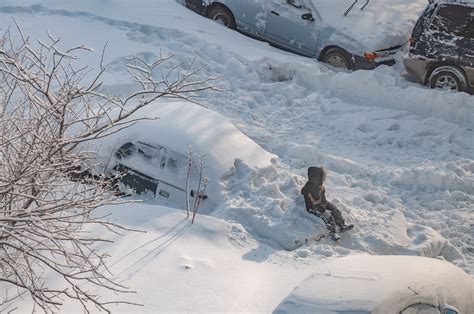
(152, 156)
(345, 33)
(366, 284)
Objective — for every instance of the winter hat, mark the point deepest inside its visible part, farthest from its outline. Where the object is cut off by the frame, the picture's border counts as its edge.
(317, 175)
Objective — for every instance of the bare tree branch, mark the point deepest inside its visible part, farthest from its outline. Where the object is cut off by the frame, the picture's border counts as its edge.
(48, 186)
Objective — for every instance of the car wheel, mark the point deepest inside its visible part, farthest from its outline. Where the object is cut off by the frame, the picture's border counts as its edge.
(338, 58)
(222, 15)
(448, 78)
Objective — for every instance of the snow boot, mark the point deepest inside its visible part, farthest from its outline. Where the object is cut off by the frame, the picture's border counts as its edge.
(345, 227)
(335, 237)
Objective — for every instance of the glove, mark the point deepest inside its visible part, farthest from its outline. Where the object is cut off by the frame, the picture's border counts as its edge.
(325, 215)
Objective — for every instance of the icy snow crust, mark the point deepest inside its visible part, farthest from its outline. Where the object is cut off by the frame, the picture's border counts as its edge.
(399, 155)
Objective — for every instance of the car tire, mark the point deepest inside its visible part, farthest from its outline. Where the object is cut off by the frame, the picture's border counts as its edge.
(339, 58)
(222, 15)
(448, 77)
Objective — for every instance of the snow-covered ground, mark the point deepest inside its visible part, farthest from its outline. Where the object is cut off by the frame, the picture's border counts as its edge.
(400, 158)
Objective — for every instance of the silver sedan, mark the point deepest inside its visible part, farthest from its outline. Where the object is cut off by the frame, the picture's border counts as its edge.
(295, 26)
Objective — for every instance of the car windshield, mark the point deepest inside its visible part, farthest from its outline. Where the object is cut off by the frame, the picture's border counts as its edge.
(454, 19)
(155, 161)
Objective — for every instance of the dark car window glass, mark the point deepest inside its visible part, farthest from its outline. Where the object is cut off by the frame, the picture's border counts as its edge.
(295, 3)
(453, 19)
(176, 162)
(424, 21)
(126, 150)
(470, 26)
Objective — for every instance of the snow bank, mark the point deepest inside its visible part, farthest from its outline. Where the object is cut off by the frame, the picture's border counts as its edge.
(268, 203)
(381, 87)
(179, 267)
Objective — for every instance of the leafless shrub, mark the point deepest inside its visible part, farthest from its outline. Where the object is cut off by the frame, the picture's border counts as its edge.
(48, 188)
(201, 188)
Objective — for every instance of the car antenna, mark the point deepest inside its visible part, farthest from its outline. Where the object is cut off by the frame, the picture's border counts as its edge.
(353, 4)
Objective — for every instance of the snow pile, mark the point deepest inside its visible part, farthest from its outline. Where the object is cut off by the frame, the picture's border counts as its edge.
(179, 267)
(267, 201)
(381, 87)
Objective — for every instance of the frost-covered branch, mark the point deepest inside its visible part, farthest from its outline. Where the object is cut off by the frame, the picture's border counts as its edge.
(49, 188)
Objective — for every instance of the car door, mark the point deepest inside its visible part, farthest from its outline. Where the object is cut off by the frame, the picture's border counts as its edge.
(290, 25)
(467, 46)
(156, 169)
(249, 15)
(445, 33)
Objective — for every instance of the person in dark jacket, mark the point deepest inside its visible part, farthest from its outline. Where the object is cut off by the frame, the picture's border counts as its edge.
(316, 203)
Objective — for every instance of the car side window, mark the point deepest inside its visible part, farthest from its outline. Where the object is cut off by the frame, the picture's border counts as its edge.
(470, 26)
(295, 3)
(176, 163)
(453, 19)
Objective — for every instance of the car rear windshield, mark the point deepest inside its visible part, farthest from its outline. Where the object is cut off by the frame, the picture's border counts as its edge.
(454, 19)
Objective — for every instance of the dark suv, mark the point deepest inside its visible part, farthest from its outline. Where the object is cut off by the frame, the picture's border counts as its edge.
(442, 46)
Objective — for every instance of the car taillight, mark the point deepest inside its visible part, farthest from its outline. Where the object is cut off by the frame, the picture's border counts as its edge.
(370, 55)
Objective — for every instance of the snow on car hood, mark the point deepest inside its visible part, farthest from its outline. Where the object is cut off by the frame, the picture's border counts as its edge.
(382, 24)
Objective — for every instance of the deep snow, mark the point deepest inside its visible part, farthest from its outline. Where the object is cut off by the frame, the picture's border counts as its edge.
(399, 155)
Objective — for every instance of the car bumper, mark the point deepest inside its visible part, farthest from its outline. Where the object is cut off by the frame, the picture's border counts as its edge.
(362, 63)
(382, 57)
(417, 67)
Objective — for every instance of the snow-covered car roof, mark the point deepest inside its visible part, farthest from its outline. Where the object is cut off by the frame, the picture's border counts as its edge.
(182, 125)
(380, 25)
(381, 284)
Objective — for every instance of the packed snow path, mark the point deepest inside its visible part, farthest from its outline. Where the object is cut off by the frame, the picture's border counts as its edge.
(400, 156)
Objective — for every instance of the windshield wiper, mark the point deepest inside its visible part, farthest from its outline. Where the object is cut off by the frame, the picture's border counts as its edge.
(352, 6)
(366, 3)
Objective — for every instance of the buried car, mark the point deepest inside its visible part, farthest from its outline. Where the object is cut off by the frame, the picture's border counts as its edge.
(151, 168)
(442, 46)
(366, 284)
(152, 157)
(346, 34)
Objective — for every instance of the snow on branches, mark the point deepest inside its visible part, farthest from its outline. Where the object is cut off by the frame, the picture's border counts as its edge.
(48, 186)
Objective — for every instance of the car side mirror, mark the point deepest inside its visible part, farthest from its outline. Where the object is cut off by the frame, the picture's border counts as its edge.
(308, 17)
